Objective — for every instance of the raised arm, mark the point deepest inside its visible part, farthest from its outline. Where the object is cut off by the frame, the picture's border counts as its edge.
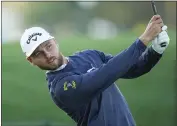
(147, 59)
(78, 89)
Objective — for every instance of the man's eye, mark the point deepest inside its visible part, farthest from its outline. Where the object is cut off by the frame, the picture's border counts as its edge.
(49, 46)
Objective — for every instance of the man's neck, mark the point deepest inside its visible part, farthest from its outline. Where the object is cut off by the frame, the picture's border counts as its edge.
(65, 60)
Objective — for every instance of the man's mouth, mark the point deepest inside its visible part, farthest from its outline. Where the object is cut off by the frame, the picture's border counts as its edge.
(51, 61)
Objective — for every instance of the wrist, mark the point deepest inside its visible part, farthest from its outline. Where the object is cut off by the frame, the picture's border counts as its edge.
(144, 40)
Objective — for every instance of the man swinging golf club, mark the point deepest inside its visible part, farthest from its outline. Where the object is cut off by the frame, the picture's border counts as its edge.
(83, 84)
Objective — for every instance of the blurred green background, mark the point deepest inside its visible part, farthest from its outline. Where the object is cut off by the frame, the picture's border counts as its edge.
(107, 26)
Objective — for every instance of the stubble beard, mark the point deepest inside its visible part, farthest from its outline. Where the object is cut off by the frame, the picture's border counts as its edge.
(54, 67)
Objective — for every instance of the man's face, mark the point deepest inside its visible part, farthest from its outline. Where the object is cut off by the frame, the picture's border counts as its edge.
(47, 56)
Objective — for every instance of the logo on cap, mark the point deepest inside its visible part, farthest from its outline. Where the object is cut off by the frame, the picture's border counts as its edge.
(31, 36)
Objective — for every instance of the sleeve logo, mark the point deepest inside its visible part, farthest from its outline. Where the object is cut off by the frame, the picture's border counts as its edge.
(67, 85)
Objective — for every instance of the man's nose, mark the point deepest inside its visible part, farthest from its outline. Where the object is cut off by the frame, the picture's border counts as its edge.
(47, 54)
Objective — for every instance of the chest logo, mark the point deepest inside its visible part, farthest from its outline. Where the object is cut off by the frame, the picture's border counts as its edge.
(91, 69)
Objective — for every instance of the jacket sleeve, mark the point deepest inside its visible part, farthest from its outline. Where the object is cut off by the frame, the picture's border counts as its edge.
(146, 62)
(79, 89)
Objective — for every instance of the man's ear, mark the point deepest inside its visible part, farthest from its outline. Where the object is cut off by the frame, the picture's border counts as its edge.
(30, 60)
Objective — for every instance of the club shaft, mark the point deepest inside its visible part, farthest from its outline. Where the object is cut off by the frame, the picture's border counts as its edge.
(154, 7)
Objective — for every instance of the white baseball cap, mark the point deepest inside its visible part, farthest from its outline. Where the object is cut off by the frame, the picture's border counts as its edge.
(32, 38)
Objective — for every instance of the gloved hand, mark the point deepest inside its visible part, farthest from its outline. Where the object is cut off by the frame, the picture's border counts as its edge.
(161, 42)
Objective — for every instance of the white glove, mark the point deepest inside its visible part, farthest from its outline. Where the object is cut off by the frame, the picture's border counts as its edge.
(161, 42)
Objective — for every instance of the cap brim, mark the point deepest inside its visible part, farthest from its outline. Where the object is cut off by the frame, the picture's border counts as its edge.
(36, 45)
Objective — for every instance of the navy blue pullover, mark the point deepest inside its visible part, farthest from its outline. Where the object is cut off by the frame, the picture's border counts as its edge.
(85, 89)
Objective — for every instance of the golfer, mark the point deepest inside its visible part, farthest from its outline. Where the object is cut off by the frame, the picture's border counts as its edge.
(83, 84)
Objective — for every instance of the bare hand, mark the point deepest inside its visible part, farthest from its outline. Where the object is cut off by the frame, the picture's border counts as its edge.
(152, 30)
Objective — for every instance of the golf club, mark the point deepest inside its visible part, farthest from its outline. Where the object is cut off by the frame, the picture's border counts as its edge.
(155, 13)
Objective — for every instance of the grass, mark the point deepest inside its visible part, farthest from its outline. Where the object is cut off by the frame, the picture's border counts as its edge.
(25, 96)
